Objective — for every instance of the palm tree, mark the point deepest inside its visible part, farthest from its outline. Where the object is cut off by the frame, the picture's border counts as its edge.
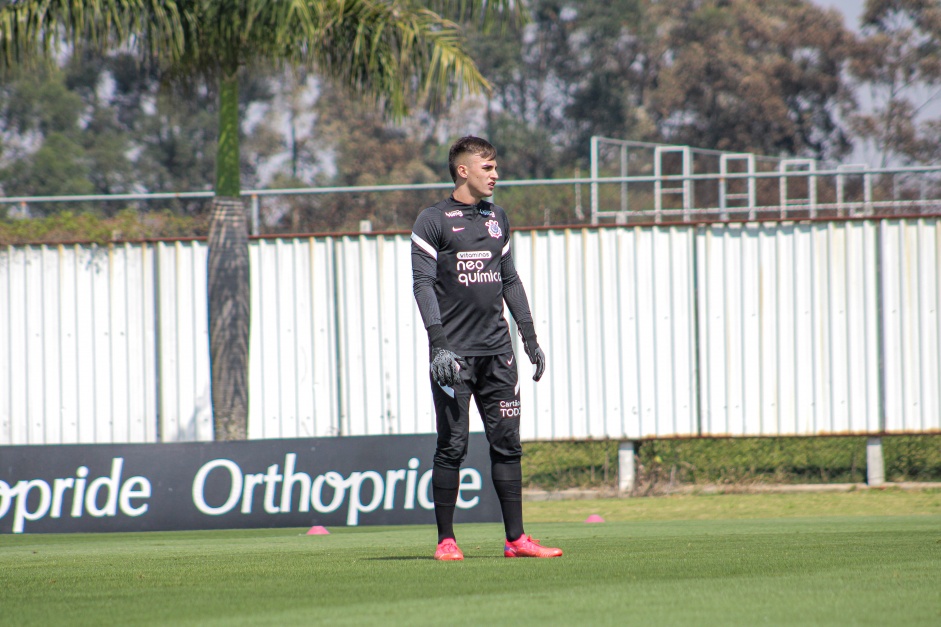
(396, 52)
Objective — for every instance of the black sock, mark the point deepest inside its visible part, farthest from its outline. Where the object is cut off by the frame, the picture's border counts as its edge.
(444, 489)
(508, 482)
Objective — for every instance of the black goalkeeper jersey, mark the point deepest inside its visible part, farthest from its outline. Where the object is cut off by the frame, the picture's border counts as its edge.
(462, 270)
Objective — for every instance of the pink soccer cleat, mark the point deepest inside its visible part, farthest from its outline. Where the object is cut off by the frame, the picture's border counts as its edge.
(447, 551)
(525, 546)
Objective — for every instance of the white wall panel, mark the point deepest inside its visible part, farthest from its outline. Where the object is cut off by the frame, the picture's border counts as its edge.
(293, 376)
(76, 365)
(613, 312)
(322, 354)
(403, 376)
(362, 406)
(184, 391)
(16, 416)
(382, 345)
(132, 337)
(788, 329)
(56, 387)
(912, 339)
(556, 401)
(527, 253)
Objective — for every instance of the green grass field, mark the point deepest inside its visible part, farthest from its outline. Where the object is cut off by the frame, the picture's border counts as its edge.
(858, 558)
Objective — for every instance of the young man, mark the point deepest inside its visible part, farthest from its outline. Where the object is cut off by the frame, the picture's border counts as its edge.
(462, 271)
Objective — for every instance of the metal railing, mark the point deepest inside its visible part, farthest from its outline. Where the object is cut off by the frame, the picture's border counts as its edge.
(669, 184)
(720, 186)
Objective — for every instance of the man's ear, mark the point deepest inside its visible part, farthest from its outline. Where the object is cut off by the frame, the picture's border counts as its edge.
(462, 171)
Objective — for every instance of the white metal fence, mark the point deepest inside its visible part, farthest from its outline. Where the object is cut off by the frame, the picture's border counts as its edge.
(663, 182)
(651, 331)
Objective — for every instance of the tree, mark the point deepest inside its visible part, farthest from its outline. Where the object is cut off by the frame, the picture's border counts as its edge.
(367, 151)
(899, 59)
(105, 124)
(599, 56)
(41, 106)
(396, 54)
(761, 76)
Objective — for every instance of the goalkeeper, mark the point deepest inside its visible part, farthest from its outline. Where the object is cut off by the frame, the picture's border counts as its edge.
(462, 272)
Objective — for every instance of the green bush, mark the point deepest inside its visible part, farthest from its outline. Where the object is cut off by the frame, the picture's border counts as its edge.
(912, 458)
(593, 464)
(126, 225)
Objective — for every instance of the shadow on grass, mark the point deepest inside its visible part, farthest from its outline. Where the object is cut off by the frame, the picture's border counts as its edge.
(425, 558)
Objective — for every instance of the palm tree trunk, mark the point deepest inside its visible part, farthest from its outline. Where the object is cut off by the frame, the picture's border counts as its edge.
(229, 289)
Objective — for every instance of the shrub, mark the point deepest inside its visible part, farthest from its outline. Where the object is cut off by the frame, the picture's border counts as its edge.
(733, 461)
(127, 225)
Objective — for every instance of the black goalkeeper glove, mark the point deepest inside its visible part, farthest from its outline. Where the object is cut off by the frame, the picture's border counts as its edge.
(531, 346)
(445, 364)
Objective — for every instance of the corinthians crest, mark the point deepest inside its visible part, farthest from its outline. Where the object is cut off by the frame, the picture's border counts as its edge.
(493, 227)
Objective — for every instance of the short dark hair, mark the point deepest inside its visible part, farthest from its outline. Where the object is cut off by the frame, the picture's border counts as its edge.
(469, 145)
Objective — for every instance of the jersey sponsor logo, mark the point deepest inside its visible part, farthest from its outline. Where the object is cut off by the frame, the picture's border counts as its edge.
(510, 409)
(474, 254)
(472, 271)
(493, 227)
(457, 228)
(471, 268)
(456, 213)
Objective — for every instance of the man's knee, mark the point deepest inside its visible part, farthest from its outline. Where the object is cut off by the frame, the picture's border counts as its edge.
(505, 446)
(501, 454)
(451, 449)
(448, 458)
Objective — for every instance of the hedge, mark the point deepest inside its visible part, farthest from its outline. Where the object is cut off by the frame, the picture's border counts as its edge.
(593, 464)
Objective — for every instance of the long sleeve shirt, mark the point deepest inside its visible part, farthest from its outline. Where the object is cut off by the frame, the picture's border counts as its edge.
(462, 272)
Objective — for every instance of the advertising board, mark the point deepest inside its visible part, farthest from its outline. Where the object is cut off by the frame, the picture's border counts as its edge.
(348, 481)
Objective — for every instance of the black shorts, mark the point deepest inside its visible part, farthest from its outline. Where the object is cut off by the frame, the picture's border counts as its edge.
(493, 381)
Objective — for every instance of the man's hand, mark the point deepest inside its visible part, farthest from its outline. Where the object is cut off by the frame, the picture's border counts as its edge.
(446, 366)
(536, 356)
(531, 346)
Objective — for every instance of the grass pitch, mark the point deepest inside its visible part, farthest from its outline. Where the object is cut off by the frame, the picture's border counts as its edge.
(869, 558)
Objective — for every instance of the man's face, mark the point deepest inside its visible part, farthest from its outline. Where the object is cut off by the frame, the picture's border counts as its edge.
(481, 175)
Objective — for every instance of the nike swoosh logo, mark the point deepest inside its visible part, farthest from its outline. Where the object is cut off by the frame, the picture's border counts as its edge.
(458, 228)
(509, 362)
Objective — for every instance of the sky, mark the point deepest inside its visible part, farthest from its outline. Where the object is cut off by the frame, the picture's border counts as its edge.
(851, 9)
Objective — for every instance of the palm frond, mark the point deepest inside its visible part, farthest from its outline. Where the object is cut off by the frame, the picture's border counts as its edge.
(36, 29)
(485, 14)
(399, 52)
